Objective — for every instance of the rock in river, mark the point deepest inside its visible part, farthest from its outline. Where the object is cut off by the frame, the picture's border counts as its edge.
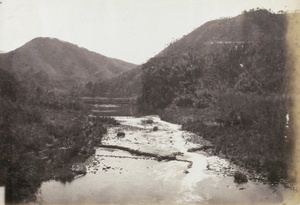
(121, 134)
(79, 169)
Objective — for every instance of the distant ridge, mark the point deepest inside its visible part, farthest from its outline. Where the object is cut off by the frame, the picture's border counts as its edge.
(62, 65)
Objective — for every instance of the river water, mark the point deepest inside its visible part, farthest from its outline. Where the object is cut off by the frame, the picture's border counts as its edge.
(111, 106)
(117, 177)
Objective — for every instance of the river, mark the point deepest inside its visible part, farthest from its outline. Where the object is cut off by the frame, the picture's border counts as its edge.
(117, 177)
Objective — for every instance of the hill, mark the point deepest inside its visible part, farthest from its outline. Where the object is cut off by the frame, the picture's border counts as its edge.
(56, 65)
(226, 81)
(245, 53)
(249, 27)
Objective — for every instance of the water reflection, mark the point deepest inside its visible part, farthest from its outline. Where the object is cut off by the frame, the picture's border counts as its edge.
(105, 105)
(112, 106)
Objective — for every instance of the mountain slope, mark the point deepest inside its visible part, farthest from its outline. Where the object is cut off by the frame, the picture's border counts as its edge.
(226, 81)
(245, 54)
(56, 64)
(249, 27)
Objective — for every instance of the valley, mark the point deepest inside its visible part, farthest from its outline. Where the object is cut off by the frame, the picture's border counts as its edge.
(207, 120)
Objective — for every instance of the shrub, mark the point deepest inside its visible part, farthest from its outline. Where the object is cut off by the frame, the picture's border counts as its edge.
(273, 176)
(240, 178)
(108, 120)
(64, 175)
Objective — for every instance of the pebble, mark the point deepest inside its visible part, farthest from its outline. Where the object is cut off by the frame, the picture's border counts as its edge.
(186, 171)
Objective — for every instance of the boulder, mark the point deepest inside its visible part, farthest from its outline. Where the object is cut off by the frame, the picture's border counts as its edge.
(149, 121)
(78, 169)
(121, 134)
(159, 158)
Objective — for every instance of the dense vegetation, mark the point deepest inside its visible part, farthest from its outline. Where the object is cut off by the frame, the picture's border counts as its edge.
(227, 81)
(41, 134)
(205, 62)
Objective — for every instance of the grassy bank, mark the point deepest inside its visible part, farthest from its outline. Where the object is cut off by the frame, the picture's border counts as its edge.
(41, 135)
(43, 144)
(249, 130)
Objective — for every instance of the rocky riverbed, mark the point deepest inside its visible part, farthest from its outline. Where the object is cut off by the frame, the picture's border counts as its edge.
(139, 172)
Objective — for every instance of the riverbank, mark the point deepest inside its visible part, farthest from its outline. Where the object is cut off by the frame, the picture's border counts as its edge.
(177, 146)
(121, 176)
(44, 147)
(68, 162)
(259, 142)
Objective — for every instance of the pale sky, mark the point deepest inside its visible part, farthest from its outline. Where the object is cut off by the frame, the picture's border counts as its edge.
(130, 30)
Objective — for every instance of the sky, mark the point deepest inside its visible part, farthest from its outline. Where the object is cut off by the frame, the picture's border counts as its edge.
(130, 30)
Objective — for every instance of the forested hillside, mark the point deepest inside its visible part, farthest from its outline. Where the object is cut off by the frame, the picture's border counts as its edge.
(244, 54)
(52, 64)
(227, 81)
